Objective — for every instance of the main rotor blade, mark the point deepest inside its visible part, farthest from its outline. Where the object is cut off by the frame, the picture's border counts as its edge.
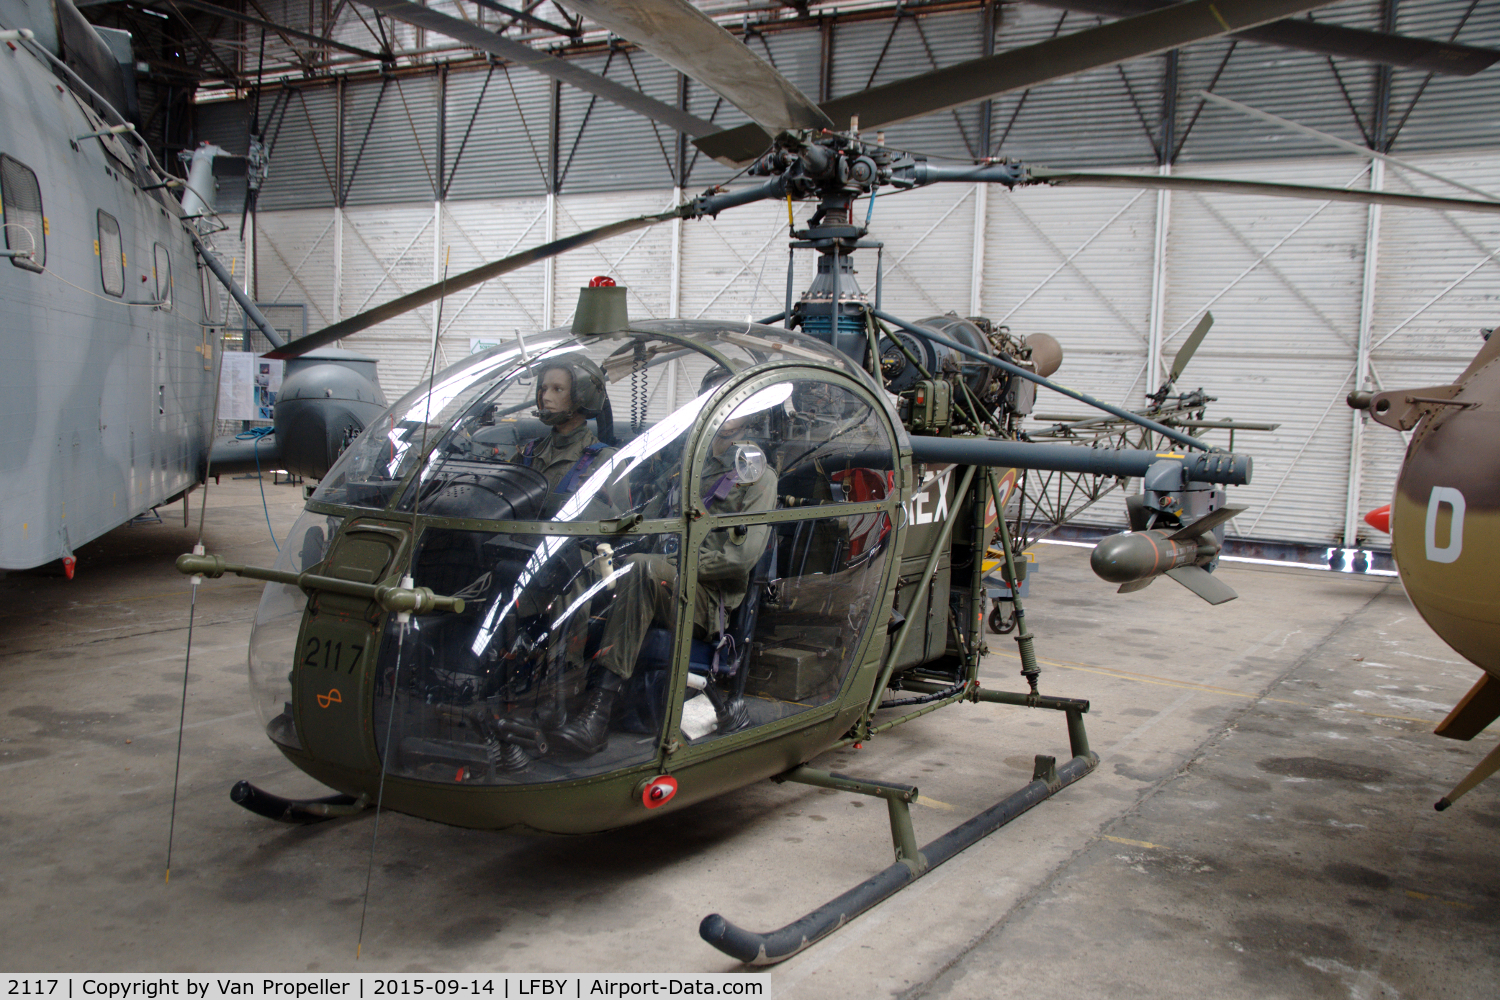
(484, 272)
(688, 40)
(1275, 190)
(485, 40)
(989, 76)
(1423, 54)
(1190, 346)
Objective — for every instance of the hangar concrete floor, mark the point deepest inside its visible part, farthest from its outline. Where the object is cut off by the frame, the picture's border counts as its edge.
(1261, 824)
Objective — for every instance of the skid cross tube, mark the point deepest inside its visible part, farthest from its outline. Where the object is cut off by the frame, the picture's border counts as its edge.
(898, 799)
(776, 946)
(1074, 708)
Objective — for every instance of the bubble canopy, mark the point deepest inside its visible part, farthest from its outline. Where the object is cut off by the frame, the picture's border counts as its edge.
(484, 409)
(668, 535)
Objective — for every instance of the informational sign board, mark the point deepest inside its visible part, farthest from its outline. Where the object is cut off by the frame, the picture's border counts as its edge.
(237, 386)
(267, 385)
(248, 386)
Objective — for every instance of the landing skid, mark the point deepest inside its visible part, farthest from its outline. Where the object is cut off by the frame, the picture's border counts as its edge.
(911, 864)
(263, 803)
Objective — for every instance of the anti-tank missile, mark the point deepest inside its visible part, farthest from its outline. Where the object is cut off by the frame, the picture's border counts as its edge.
(1134, 559)
(1141, 556)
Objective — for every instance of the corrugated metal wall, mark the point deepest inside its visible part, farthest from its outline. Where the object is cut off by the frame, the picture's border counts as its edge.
(496, 139)
(389, 251)
(1283, 279)
(1076, 264)
(474, 232)
(1439, 279)
(602, 146)
(391, 132)
(1091, 120)
(295, 261)
(871, 53)
(303, 145)
(736, 266)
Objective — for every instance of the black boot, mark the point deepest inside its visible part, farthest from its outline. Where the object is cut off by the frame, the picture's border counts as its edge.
(588, 731)
(732, 715)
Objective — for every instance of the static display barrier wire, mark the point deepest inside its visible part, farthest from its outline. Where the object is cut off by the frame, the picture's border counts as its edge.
(477, 986)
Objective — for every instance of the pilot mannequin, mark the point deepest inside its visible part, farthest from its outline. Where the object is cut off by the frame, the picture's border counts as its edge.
(569, 391)
(645, 591)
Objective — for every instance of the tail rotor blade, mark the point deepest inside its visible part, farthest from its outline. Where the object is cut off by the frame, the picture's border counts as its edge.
(484, 272)
(1190, 346)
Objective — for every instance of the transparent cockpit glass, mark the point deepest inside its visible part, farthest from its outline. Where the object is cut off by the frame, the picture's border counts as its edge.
(483, 413)
(788, 643)
(369, 473)
(832, 447)
(273, 639)
(782, 608)
(577, 476)
(479, 697)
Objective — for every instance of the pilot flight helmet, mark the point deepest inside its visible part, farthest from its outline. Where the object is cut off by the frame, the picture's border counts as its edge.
(588, 386)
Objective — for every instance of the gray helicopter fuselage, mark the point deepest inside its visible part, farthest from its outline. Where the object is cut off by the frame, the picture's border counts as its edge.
(106, 393)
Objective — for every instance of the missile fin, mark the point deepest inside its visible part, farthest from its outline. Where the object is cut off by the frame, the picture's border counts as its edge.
(1134, 585)
(1203, 583)
(1204, 524)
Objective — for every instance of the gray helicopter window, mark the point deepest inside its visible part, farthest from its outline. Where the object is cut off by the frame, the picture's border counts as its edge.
(162, 271)
(111, 255)
(209, 286)
(25, 226)
(477, 697)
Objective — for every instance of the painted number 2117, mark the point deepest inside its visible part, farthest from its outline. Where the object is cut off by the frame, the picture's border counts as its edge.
(329, 655)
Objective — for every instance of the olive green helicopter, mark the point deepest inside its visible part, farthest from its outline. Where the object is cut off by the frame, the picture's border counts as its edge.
(509, 606)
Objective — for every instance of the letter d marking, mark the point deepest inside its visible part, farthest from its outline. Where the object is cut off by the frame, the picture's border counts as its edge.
(1455, 500)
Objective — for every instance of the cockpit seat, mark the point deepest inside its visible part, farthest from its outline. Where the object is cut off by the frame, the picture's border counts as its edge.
(640, 710)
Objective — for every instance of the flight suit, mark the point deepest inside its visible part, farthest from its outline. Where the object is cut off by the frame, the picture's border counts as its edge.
(644, 593)
(556, 456)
